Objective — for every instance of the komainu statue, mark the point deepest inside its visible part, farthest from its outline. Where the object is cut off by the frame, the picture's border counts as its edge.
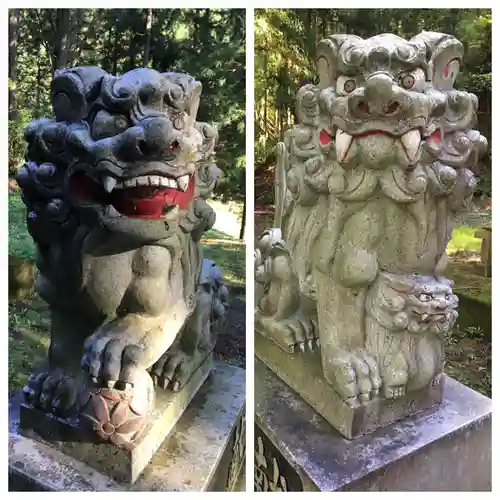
(368, 183)
(115, 185)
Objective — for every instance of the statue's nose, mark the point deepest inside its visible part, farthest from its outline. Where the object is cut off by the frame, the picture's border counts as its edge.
(379, 97)
(158, 138)
(379, 88)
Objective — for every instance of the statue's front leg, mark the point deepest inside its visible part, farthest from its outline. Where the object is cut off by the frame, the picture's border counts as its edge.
(351, 371)
(123, 348)
(197, 338)
(341, 296)
(54, 388)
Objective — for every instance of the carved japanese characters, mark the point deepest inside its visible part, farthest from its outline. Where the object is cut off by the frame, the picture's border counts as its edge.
(368, 182)
(115, 185)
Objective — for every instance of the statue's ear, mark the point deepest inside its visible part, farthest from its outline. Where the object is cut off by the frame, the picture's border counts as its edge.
(444, 55)
(194, 101)
(72, 90)
(327, 58)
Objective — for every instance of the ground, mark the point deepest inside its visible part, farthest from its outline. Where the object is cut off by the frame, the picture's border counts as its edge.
(29, 318)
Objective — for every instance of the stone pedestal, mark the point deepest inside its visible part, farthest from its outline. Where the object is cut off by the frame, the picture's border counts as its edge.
(120, 463)
(303, 372)
(444, 448)
(203, 452)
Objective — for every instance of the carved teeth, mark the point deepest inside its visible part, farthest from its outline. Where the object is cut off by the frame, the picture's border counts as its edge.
(142, 181)
(150, 180)
(342, 144)
(109, 183)
(112, 212)
(183, 182)
(154, 180)
(411, 142)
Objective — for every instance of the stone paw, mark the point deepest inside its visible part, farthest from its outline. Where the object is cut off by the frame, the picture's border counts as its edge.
(111, 359)
(355, 376)
(172, 370)
(394, 391)
(296, 334)
(52, 391)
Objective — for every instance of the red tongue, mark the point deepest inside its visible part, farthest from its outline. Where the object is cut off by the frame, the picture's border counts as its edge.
(153, 206)
(325, 137)
(435, 136)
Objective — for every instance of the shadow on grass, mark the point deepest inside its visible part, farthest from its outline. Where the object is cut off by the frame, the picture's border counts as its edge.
(229, 258)
(217, 235)
(29, 338)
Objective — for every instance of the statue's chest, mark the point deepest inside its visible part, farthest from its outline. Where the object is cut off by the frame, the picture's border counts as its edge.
(105, 279)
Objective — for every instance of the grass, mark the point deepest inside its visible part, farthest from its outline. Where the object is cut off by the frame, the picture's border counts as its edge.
(20, 241)
(468, 358)
(463, 240)
(29, 322)
(28, 338)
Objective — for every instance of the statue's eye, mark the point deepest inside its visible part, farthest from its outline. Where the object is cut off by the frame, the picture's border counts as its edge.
(349, 86)
(108, 125)
(408, 81)
(424, 297)
(345, 85)
(174, 96)
(414, 80)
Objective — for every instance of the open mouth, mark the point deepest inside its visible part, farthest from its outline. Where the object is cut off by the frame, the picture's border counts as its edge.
(149, 196)
(410, 141)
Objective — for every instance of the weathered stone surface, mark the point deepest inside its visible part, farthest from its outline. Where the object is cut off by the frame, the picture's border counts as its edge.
(121, 463)
(190, 459)
(445, 448)
(303, 373)
(115, 184)
(368, 183)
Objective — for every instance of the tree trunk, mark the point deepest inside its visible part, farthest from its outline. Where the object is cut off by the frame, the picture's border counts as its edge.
(61, 38)
(132, 52)
(13, 35)
(39, 63)
(115, 53)
(243, 217)
(147, 43)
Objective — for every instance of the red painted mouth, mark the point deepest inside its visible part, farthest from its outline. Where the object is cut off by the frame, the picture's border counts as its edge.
(141, 201)
(325, 137)
(435, 136)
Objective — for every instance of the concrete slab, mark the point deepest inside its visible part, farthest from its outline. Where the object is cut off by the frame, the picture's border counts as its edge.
(445, 448)
(198, 454)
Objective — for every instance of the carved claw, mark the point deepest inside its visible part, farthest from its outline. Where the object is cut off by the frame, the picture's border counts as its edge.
(296, 334)
(173, 369)
(53, 392)
(111, 357)
(394, 392)
(355, 376)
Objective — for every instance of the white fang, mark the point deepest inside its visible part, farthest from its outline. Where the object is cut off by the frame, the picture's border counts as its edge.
(342, 144)
(411, 142)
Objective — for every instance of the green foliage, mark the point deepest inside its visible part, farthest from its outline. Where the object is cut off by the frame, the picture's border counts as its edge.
(207, 43)
(17, 145)
(285, 43)
(20, 241)
(463, 240)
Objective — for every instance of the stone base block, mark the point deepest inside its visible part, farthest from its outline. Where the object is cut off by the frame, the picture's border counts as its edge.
(203, 452)
(304, 374)
(119, 463)
(445, 448)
